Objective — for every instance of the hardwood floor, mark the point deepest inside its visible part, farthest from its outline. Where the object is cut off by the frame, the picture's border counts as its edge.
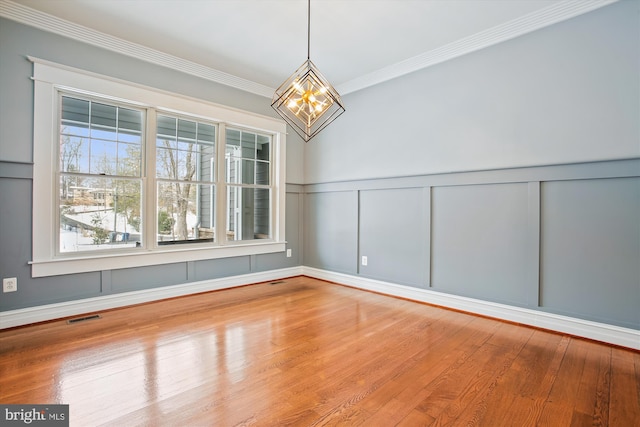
(305, 352)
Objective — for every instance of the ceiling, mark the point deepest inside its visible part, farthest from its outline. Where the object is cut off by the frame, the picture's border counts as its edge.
(354, 43)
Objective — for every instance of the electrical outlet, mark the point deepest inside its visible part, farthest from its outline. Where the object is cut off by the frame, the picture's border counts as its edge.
(10, 284)
(288, 253)
(364, 260)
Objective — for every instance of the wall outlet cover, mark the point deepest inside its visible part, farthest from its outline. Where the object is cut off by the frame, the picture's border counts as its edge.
(10, 284)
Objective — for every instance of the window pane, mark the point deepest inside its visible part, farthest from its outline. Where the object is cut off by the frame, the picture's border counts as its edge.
(247, 156)
(185, 213)
(207, 169)
(74, 154)
(262, 173)
(248, 145)
(233, 137)
(104, 115)
(206, 133)
(75, 111)
(89, 135)
(248, 172)
(166, 127)
(185, 150)
(263, 147)
(262, 200)
(186, 130)
(129, 159)
(129, 122)
(248, 213)
(103, 157)
(99, 213)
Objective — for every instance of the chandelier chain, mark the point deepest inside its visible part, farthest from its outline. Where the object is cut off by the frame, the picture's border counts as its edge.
(309, 29)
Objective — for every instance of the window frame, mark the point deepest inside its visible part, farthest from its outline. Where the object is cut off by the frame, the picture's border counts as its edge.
(50, 80)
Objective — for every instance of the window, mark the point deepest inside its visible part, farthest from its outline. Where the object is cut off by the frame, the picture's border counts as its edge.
(185, 167)
(100, 169)
(145, 177)
(248, 190)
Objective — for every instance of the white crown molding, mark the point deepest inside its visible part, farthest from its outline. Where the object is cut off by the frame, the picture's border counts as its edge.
(602, 332)
(28, 16)
(541, 18)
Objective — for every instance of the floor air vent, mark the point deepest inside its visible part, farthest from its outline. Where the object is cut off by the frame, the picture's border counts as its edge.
(277, 282)
(83, 319)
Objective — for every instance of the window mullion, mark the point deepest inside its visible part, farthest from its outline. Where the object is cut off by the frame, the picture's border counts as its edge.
(221, 186)
(150, 182)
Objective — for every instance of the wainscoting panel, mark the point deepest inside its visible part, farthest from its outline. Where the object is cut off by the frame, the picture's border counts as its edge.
(331, 231)
(222, 267)
(153, 276)
(479, 241)
(394, 235)
(590, 249)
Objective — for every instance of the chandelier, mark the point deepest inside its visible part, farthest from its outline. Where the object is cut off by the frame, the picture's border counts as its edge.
(306, 100)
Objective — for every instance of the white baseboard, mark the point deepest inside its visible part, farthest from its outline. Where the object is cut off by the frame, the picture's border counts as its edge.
(26, 316)
(582, 328)
(611, 334)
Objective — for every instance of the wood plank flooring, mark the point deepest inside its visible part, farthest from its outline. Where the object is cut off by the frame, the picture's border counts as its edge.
(310, 353)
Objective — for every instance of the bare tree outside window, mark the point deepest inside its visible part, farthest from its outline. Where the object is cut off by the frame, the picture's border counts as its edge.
(184, 165)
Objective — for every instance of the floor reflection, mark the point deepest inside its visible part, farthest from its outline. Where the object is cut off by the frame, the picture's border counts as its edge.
(160, 372)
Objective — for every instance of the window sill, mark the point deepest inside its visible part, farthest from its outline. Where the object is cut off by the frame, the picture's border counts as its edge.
(60, 266)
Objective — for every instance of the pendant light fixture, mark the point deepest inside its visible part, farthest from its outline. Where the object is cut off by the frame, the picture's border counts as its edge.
(306, 100)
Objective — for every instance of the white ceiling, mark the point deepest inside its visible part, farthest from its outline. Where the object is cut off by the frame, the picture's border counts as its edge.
(354, 43)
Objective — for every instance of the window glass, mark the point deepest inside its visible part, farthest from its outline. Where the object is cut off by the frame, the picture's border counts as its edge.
(248, 177)
(248, 213)
(185, 165)
(99, 213)
(100, 161)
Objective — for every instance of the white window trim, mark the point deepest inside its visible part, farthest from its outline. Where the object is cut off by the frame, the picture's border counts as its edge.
(50, 78)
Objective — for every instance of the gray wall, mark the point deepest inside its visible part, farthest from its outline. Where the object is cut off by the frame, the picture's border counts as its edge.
(16, 135)
(564, 94)
(490, 175)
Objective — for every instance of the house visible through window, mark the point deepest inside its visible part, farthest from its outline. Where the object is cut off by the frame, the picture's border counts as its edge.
(248, 179)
